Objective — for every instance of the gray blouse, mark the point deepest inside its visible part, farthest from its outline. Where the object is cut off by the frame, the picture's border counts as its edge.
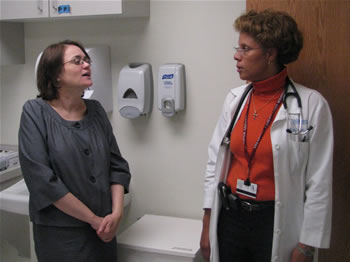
(59, 156)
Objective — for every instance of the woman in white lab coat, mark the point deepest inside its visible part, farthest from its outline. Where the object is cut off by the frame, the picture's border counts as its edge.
(275, 203)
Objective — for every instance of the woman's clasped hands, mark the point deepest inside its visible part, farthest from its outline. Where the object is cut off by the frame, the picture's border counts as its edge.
(106, 228)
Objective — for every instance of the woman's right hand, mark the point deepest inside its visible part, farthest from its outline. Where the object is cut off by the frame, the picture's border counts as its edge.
(205, 243)
(96, 222)
(72, 206)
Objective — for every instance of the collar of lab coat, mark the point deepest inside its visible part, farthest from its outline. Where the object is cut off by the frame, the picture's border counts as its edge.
(238, 92)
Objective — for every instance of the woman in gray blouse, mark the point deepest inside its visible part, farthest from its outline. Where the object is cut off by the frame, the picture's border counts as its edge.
(71, 162)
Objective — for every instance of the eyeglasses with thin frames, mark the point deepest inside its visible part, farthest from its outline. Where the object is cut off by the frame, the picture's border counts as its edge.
(79, 60)
(245, 50)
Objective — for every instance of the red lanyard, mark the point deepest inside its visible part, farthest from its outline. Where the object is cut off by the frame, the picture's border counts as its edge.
(248, 156)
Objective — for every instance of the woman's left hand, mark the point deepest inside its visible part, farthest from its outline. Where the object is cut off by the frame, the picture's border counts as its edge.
(109, 227)
(297, 256)
(110, 223)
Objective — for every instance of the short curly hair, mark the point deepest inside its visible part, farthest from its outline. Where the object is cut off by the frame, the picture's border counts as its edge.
(273, 29)
(50, 67)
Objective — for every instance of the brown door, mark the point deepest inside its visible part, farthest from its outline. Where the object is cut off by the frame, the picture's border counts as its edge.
(324, 64)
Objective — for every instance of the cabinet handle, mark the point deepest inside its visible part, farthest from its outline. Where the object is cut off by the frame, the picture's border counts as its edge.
(54, 5)
(39, 4)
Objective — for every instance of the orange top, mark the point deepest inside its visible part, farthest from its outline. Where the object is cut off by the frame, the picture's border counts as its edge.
(264, 98)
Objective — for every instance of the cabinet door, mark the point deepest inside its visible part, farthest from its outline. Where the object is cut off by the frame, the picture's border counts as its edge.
(62, 8)
(23, 9)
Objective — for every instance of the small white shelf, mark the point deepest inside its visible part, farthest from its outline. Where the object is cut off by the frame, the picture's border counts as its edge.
(154, 237)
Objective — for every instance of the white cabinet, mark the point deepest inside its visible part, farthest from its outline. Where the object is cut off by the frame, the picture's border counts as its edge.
(12, 34)
(61, 8)
(23, 9)
(27, 10)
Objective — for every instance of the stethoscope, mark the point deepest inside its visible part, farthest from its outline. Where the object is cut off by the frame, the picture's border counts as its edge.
(295, 126)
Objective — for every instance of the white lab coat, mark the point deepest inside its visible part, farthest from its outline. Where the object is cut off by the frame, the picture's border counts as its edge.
(302, 171)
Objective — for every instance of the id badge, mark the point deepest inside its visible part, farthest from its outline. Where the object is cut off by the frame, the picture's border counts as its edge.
(249, 191)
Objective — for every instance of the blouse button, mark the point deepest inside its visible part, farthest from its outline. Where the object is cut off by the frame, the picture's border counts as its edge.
(53, 179)
(76, 125)
(87, 152)
(92, 179)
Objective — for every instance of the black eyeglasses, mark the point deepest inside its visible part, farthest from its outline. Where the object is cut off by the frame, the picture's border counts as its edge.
(79, 60)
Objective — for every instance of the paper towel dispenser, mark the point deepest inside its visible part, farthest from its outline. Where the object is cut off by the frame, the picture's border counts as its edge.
(101, 75)
(135, 90)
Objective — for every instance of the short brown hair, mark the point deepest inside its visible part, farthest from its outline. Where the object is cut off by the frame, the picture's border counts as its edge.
(50, 66)
(273, 29)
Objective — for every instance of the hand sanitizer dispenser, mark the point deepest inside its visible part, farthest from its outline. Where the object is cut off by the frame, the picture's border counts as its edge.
(135, 90)
(171, 89)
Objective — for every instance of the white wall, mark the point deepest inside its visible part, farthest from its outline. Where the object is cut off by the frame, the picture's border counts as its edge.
(167, 156)
(0, 102)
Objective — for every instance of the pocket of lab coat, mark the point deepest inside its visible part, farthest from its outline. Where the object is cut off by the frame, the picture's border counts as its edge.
(298, 155)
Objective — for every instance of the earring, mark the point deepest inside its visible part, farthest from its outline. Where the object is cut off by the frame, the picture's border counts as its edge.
(57, 83)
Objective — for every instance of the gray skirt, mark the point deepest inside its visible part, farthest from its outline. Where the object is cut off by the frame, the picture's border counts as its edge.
(72, 244)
